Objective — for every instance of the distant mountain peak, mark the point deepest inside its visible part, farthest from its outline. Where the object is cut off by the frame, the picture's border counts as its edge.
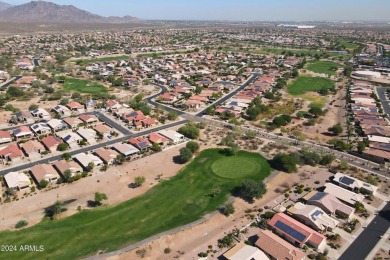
(4, 6)
(48, 12)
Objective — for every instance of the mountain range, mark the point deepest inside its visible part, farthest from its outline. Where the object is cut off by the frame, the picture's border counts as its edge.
(47, 12)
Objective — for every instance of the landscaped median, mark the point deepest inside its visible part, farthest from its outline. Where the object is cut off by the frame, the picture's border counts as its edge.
(201, 187)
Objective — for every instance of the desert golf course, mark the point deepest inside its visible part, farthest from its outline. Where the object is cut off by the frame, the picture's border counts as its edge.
(201, 187)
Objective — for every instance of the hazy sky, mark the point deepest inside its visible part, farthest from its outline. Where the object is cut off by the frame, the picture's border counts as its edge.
(247, 10)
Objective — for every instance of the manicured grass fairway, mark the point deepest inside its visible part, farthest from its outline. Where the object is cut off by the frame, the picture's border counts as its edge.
(114, 58)
(322, 67)
(83, 86)
(232, 167)
(305, 84)
(175, 202)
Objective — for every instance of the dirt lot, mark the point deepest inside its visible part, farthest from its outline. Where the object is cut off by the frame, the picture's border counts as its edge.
(114, 182)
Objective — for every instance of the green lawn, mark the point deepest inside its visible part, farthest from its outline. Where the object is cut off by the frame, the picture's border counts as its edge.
(293, 51)
(175, 202)
(305, 84)
(325, 67)
(83, 86)
(113, 58)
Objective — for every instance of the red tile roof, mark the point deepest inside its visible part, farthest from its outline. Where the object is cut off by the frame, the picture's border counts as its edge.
(310, 235)
(11, 151)
(278, 247)
(51, 141)
(5, 134)
(157, 138)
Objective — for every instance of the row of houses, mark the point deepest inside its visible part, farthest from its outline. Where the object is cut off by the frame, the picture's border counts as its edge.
(82, 161)
(367, 116)
(52, 126)
(35, 148)
(302, 224)
(134, 118)
(240, 102)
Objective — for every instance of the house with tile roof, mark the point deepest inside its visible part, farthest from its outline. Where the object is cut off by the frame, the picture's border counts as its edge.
(277, 248)
(5, 137)
(353, 184)
(157, 138)
(33, 149)
(17, 180)
(313, 217)
(88, 119)
(44, 172)
(344, 195)
(108, 156)
(51, 142)
(11, 153)
(329, 204)
(62, 166)
(295, 232)
(140, 143)
(22, 132)
(242, 251)
(40, 129)
(125, 149)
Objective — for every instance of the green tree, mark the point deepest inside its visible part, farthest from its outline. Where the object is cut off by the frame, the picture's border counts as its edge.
(316, 111)
(339, 144)
(343, 165)
(172, 115)
(327, 159)
(62, 147)
(57, 209)
(139, 180)
(138, 98)
(361, 146)
(336, 129)
(91, 165)
(99, 197)
(228, 209)
(251, 189)
(64, 101)
(33, 107)
(43, 184)
(189, 131)
(120, 159)
(232, 149)
(66, 156)
(156, 147)
(185, 155)
(68, 176)
(193, 146)
(76, 95)
(285, 162)
(310, 158)
(21, 223)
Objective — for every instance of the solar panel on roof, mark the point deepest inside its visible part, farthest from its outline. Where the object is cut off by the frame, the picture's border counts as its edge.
(316, 214)
(346, 180)
(290, 231)
(143, 145)
(318, 196)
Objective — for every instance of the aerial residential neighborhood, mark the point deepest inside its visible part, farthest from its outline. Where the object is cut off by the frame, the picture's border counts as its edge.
(207, 130)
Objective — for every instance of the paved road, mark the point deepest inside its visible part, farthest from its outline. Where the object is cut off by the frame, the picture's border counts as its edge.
(350, 158)
(367, 240)
(11, 81)
(112, 123)
(384, 100)
(231, 94)
(91, 148)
